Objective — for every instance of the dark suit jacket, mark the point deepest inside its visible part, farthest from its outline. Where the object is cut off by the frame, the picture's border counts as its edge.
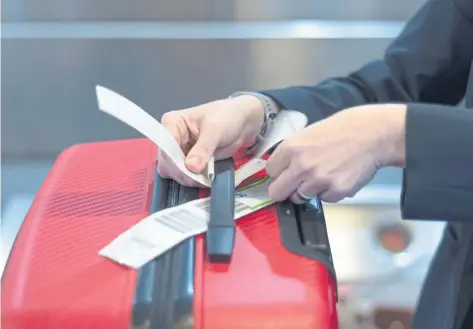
(431, 62)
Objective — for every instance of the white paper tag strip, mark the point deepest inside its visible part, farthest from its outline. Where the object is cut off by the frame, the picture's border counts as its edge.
(286, 124)
(249, 169)
(163, 230)
(131, 114)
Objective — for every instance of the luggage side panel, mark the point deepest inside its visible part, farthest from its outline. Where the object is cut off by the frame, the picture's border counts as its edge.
(266, 284)
(54, 277)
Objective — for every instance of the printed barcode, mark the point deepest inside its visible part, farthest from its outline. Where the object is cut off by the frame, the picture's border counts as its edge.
(182, 221)
(142, 243)
(205, 205)
(239, 206)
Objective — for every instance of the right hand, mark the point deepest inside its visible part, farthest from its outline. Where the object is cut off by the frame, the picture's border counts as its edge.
(218, 129)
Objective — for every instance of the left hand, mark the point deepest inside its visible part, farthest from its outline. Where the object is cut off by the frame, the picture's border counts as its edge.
(336, 157)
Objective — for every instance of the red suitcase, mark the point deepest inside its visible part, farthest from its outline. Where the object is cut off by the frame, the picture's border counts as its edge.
(280, 276)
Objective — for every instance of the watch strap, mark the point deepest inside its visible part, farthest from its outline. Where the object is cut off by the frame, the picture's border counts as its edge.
(271, 109)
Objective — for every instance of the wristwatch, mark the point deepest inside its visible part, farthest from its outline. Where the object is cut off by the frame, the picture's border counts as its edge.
(271, 109)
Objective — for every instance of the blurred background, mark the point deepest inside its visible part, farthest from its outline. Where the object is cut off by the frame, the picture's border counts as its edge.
(167, 55)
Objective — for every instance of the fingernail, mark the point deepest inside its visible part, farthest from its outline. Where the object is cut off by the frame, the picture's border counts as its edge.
(194, 161)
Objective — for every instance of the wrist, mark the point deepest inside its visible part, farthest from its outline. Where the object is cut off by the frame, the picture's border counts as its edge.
(261, 113)
(254, 113)
(394, 140)
(253, 107)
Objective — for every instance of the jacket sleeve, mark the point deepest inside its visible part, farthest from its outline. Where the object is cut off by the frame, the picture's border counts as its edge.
(428, 62)
(438, 179)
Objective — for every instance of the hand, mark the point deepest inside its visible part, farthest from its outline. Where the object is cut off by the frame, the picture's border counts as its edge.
(336, 157)
(218, 128)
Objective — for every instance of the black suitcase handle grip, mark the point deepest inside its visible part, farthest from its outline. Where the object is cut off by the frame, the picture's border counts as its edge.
(220, 236)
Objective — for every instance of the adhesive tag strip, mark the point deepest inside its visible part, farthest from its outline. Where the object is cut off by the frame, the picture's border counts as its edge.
(163, 230)
(286, 124)
(131, 114)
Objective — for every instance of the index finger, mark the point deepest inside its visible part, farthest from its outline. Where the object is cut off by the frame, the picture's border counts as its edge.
(174, 123)
(278, 161)
(284, 185)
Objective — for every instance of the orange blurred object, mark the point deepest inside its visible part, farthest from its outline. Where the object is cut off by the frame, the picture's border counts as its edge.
(394, 238)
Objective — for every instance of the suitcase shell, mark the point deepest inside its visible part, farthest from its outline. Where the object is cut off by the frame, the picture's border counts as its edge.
(55, 279)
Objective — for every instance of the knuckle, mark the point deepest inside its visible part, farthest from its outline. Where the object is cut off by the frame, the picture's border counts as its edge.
(170, 117)
(167, 117)
(322, 177)
(340, 189)
(303, 166)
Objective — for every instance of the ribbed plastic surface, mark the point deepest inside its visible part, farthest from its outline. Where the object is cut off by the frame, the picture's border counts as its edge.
(265, 285)
(55, 278)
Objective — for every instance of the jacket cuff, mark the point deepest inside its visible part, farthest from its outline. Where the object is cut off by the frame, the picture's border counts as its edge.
(438, 179)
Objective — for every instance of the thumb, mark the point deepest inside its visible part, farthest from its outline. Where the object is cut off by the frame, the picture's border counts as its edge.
(200, 154)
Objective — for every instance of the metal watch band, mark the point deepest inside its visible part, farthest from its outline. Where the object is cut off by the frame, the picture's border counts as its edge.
(271, 109)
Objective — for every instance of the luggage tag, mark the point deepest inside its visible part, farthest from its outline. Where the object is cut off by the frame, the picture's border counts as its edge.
(166, 228)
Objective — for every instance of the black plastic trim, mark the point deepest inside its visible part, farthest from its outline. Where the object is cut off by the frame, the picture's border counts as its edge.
(220, 236)
(164, 291)
(304, 232)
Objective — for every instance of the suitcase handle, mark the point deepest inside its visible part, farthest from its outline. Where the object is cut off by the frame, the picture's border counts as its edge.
(220, 236)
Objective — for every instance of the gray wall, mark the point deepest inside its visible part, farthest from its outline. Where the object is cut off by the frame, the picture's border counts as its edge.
(205, 10)
(166, 55)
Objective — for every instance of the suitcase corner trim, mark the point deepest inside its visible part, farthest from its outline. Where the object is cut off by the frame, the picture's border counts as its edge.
(290, 217)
